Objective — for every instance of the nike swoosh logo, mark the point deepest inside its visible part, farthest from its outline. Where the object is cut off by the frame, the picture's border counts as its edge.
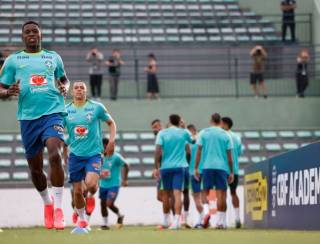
(23, 65)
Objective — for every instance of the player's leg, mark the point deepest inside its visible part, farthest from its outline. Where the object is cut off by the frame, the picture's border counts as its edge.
(207, 185)
(253, 83)
(171, 200)
(196, 193)
(220, 183)
(186, 199)
(262, 85)
(166, 185)
(103, 193)
(235, 200)
(79, 201)
(177, 186)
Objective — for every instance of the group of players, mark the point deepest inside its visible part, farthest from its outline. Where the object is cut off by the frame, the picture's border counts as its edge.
(37, 77)
(186, 159)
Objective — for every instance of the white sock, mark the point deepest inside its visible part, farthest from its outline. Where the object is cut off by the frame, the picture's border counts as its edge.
(200, 217)
(176, 220)
(105, 221)
(185, 215)
(219, 218)
(88, 217)
(45, 196)
(224, 219)
(57, 196)
(166, 219)
(81, 213)
(237, 214)
(206, 208)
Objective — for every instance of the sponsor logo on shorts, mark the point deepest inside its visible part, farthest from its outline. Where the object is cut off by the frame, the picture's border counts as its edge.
(38, 80)
(96, 166)
(256, 195)
(58, 128)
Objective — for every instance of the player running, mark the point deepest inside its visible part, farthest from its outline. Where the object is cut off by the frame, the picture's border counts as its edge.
(195, 183)
(214, 151)
(85, 145)
(110, 183)
(227, 124)
(31, 74)
(170, 163)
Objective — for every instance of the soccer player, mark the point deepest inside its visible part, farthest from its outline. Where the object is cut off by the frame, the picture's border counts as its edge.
(227, 124)
(195, 183)
(83, 126)
(110, 184)
(31, 74)
(214, 149)
(170, 163)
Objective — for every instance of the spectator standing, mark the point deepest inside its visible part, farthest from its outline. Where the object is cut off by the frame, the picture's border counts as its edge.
(302, 76)
(288, 7)
(114, 63)
(152, 80)
(95, 58)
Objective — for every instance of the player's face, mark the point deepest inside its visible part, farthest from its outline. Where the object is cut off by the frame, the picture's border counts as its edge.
(79, 90)
(156, 127)
(31, 35)
(224, 126)
(193, 131)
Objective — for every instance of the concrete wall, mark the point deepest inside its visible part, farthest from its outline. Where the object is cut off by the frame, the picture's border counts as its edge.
(316, 22)
(248, 113)
(139, 205)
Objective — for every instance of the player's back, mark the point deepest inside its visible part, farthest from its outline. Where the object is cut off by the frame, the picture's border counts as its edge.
(215, 142)
(236, 150)
(173, 142)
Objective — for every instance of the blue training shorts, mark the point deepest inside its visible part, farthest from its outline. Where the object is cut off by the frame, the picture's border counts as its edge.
(172, 179)
(195, 184)
(79, 166)
(214, 179)
(109, 194)
(35, 132)
(186, 179)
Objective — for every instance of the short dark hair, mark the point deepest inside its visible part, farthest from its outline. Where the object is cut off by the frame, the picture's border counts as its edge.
(228, 121)
(216, 118)
(151, 55)
(31, 22)
(155, 121)
(191, 126)
(175, 119)
(105, 141)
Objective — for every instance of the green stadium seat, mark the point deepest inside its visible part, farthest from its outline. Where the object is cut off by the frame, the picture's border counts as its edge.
(256, 159)
(254, 147)
(20, 163)
(317, 133)
(133, 161)
(252, 134)
(5, 163)
(241, 172)
(20, 176)
(273, 147)
(134, 174)
(269, 134)
(130, 148)
(147, 136)
(107, 135)
(243, 160)
(148, 148)
(238, 133)
(4, 176)
(286, 134)
(20, 150)
(148, 160)
(290, 146)
(129, 136)
(5, 150)
(257, 38)
(6, 138)
(304, 134)
(243, 38)
(147, 173)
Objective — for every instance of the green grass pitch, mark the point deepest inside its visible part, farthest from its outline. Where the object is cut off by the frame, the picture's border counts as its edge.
(149, 235)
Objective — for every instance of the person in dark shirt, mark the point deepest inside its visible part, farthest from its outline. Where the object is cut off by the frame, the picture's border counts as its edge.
(288, 7)
(302, 77)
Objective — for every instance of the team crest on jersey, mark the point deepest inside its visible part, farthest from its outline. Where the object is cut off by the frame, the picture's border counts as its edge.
(81, 130)
(89, 116)
(38, 80)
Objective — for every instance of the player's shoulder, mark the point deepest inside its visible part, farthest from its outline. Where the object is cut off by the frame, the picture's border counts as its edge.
(13, 56)
(95, 103)
(68, 105)
(50, 52)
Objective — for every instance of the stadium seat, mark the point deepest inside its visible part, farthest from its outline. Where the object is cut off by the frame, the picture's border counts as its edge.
(269, 134)
(107, 135)
(133, 161)
(5, 150)
(252, 135)
(290, 146)
(20, 176)
(304, 134)
(273, 147)
(148, 160)
(317, 133)
(134, 174)
(20, 150)
(304, 144)
(130, 148)
(20, 163)
(129, 136)
(147, 173)
(148, 148)
(254, 147)
(6, 138)
(4, 176)
(243, 160)
(287, 134)
(5, 163)
(147, 136)
(241, 172)
(256, 159)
